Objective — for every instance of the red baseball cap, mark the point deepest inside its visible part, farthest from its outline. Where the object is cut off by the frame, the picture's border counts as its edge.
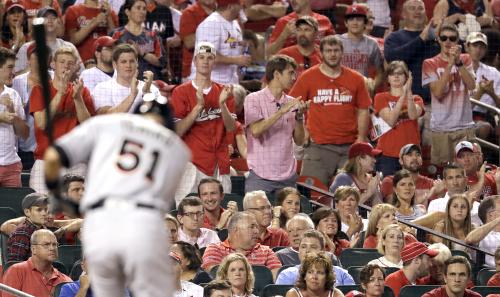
(362, 148)
(31, 49)
(10, 4)
(222, 3)
(356, 10)
(103, 41)
(415, 249)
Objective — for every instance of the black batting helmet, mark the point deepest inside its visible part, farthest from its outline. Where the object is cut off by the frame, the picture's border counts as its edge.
(157, 104)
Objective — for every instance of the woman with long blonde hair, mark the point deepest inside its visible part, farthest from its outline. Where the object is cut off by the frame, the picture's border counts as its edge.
(238, 272)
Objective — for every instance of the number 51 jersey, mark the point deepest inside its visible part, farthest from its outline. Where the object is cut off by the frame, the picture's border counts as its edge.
(129, 157)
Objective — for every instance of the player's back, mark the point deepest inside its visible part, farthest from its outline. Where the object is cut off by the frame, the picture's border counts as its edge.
(131, 157)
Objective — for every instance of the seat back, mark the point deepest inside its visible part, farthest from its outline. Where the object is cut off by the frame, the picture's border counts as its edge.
(7, 213)
(263, 277)
(76, 271)
(358, 257)
(238, 185)
(273, 290)
(348, 288)
(416, 291)
(3, 247)
(69, 254)
(232, 197)
(223, 234)
(485, 291)
(354, 272)
(484, 276)
(57, 289)
(12, 197)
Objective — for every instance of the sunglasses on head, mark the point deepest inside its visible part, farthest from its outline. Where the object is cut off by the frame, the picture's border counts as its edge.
(307, 62)
(450, 38)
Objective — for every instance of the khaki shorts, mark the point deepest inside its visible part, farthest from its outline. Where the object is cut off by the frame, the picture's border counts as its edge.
(443, 144)
(323, 160)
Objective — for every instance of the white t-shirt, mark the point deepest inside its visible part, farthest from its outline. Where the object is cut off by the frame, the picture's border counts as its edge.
(22, 59)
(440, 205)
(227, 38)
(490, 73)
(8, 143)
(93, 76)
(111, 93)
(490, 243)
(384, 262)
(130, 159)
(189, 290)
(381, 11)
(114, 4)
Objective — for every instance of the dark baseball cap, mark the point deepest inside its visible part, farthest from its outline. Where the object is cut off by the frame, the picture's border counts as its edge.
(34, 199)
(308, 20)
(42, 12)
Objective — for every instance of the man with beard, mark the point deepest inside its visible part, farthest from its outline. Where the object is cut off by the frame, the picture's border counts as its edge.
(271, 123)
(103, 52)
(306, 52)
(338, 114)
(410, 158)
(285, 29)
(416, 260)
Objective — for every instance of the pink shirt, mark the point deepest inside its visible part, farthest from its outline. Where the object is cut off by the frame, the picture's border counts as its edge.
(270, 156)
(25, 277)
(206, 237)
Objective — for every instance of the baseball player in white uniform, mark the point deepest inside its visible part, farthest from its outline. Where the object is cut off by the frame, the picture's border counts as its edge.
(134, 167)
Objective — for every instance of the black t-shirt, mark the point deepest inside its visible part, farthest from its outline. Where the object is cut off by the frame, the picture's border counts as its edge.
(160, 21)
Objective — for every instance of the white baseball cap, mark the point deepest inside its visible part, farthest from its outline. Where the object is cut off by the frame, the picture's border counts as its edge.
(464, 145)
(204, 47)
(474, 37)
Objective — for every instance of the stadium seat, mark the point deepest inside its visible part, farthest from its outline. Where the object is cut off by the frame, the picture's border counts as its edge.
(358, 257)
(213, 271)
(346, 289)
(238, 185)
(277, 248)
(274, 290)
(223, 233)
(202, 251)
(76, 271)
(485, 291)
(305, 205)
(415, 291)
(69, 254)
(57, 289)
(232, 197)
(461, 253)
(7, 213)
(263, 277)
(3, 247)
(484, 276)
(61, 267)
(354, 272)
(12, 197)
(314, 181)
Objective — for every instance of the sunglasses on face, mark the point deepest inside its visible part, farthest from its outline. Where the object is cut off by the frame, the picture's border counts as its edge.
(443, 38)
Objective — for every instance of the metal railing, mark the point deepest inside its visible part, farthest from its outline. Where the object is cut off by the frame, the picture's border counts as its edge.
(422, 231)
(13, 291)
(496, 111)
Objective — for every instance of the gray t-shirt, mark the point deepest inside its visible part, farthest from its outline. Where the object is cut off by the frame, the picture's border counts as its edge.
(358, 55)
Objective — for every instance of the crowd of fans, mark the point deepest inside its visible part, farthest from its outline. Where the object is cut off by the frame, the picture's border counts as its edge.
(371, 100)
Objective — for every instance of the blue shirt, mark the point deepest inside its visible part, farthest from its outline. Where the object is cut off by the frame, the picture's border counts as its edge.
(71, 289)
(289, 276)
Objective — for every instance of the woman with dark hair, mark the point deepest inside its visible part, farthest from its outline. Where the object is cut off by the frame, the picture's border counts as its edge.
(327, 221)
(316, 278)
(372, 280)
(14, 26)
(146, 42)
(457, 222)
(358, 172)
(400, 109)
(403, 197)
(190, 263)
(286, 207)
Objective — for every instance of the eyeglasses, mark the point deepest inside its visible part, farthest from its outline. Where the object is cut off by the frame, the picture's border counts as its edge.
(194, 215)
(453, 38)
(262, 208)
(47, 245)
(307, 62)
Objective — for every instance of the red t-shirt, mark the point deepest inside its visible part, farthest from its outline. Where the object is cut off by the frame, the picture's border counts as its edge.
(275, 237)
(207, 223)
(261, 25)
(489, 187)
(396, 281)
(325, 28)
(422, 183)
(80, 15)
(404, 130)
(441, 292)
(300, 59)
(32, 7)
(429, 281)
(191, 17)
(207, 136)
(371, 241)
(64, 120)
(332, 116)
(494, 281)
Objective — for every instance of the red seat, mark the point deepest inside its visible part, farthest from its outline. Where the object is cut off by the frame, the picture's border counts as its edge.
(316, 196)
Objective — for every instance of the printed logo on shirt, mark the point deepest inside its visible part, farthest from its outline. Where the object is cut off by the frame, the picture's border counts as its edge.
(156, 27)
(31, 12)
(403, 115)
(355, 60)
(455, 82)
(333, 96)
(208, 115)
(233, 41)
